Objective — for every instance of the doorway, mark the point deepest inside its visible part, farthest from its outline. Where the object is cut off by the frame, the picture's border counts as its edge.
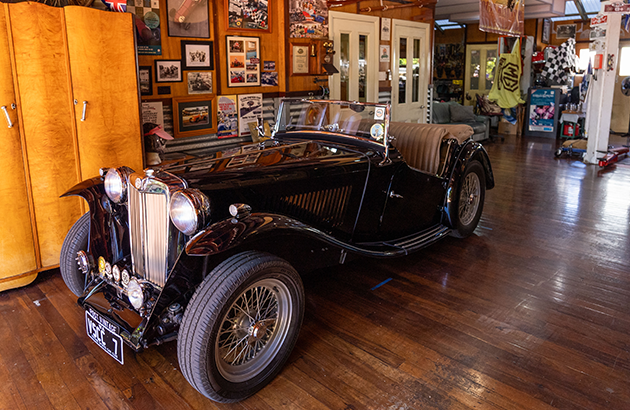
(356, 55)
(410, 62)
(481, 60)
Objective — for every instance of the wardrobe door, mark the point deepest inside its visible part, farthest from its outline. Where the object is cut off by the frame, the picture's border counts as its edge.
(43, 91)
(102, 57)
(16, 236)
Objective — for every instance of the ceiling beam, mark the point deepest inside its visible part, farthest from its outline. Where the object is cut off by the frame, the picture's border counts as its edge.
(580, 9)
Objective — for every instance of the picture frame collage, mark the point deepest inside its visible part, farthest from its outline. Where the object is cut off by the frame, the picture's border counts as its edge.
(198, 112)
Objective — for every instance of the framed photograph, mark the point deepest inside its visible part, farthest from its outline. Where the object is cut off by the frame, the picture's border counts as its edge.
(188, 18)
(546, 31)
(197, 55)
(193, 116)
(565, 31)
(247, 15)
(199, 82)
(168, 71)
(308, 19)
(145, 80)
(243, 61)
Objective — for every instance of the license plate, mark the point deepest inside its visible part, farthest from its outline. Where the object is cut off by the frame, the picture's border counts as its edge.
(104, 334)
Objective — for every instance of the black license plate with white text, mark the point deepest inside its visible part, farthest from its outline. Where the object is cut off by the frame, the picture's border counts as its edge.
(105, 334)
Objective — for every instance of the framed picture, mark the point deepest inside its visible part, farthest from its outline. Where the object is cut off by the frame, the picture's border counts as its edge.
(168, 71)
(188, 18)
(199, 82)
(146, 82)
(197, 55)
(243, 61)
(546, 31)
(308, 19)
(565, 31)
(299, 59)
(247, 15)
(193, 116)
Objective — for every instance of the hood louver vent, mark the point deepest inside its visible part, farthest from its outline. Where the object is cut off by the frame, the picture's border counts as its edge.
(326, 207)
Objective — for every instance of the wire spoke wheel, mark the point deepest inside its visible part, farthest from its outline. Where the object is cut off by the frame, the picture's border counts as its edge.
(253, 330)
(469, 198)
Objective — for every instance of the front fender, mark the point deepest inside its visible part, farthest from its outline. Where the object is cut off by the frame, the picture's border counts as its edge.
(108, 221)
(229, 233)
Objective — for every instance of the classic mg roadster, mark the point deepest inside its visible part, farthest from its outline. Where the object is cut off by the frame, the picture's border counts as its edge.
(206, 251)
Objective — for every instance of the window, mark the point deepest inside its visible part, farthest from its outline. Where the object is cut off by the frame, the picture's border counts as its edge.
(624, 62)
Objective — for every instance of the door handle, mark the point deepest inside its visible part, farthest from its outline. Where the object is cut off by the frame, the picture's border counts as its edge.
(84, 108)
(6, 114)
(392, 194)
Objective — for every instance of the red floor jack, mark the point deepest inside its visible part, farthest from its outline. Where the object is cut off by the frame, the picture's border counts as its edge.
(614, 154)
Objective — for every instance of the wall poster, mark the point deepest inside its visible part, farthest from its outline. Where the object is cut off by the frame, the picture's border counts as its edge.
(243, 61)
(152, 112)
(248, 15)
(542, 112)
(249, 110)
(147, 16)
(308, 19)
(227, 117)
(187, 18)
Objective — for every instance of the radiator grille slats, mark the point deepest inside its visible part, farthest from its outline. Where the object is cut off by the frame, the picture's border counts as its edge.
(149, 225)
(323, 206)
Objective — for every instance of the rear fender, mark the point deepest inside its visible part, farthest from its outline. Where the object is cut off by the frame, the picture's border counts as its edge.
(472, 151)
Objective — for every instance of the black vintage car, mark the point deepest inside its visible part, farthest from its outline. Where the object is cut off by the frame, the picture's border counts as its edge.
(206, 251)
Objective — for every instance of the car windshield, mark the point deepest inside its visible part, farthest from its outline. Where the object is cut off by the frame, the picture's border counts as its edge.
(364, 120)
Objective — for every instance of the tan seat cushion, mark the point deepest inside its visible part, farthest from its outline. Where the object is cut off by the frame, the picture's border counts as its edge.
(420, 144)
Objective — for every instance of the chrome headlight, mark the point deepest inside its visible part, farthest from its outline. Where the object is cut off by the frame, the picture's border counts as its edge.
(116, 185)
(135, 294)
(190, 210)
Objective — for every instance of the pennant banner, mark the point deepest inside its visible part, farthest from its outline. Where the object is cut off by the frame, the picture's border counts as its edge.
(505, 17)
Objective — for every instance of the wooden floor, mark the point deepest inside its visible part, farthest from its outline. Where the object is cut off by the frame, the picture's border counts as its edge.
(532, 312)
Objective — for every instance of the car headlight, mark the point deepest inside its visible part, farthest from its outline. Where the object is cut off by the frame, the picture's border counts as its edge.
(116, 185)
(135, 294)
(190, 210)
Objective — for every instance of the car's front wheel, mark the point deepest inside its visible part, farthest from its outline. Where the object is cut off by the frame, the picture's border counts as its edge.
(469, 200)
(76, 240)
(240, 326)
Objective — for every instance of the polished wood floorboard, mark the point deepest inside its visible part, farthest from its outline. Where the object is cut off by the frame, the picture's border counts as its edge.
(531, 312)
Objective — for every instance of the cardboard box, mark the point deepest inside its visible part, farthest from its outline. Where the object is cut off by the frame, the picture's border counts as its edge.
(506, 128)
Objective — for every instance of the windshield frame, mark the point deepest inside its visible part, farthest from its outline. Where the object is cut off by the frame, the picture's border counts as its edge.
(382, 145)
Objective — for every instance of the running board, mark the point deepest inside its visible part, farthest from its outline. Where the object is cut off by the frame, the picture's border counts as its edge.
(406, 245)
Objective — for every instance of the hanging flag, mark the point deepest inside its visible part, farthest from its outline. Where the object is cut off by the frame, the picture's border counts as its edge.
(116, 5)
(506, 88)
(506, 17)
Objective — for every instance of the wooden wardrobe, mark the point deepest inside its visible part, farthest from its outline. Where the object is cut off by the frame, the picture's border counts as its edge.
(69, 105)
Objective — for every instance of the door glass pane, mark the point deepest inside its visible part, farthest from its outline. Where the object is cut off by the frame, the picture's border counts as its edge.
(363, 68)
(491, 62)
(475, 68)
(415, 93)
(344, 66)
(402, 71)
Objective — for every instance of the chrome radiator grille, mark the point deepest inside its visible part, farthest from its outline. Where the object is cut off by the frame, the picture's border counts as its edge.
(149, 226)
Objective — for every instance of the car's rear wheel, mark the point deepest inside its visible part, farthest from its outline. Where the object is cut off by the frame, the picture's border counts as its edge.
(76, 240)
(240, 326)
(469, 200)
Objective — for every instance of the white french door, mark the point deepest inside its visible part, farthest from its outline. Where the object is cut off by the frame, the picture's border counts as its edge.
(356, 56)
(411, 64)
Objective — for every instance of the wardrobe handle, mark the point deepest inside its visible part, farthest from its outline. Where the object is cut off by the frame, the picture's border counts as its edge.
(84, 110)
(6, 114)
